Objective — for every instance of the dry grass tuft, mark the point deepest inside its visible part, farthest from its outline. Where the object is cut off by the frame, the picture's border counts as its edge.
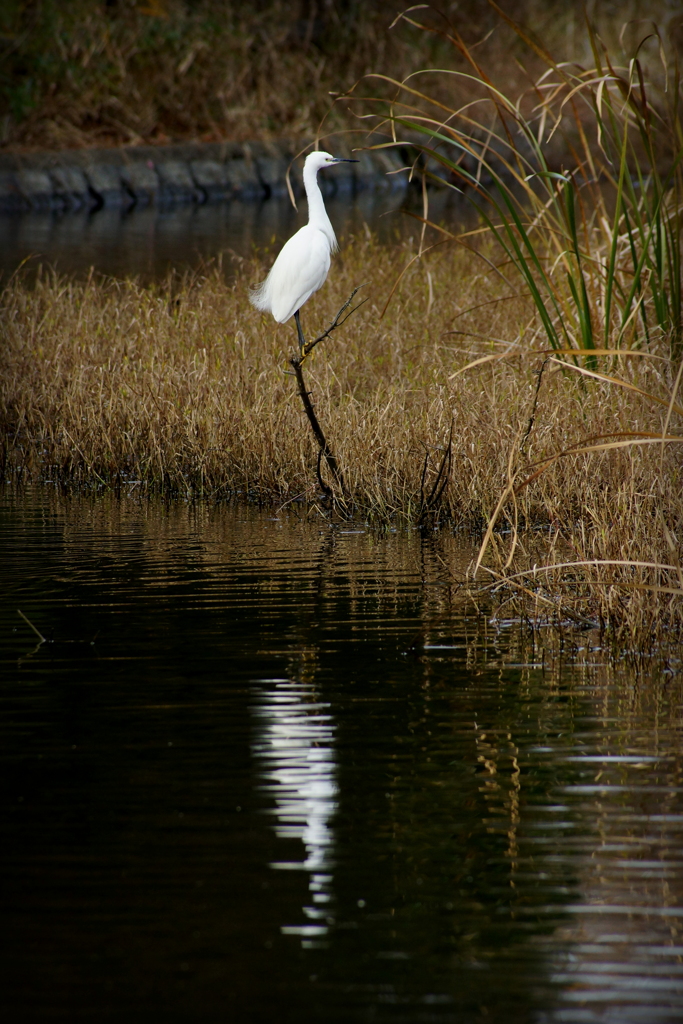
(180, 388)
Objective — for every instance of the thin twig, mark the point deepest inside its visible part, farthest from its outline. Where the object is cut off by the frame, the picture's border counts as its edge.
(323, 486)
(532, 415)
(337, 322)
(441, 480)
(26, 619)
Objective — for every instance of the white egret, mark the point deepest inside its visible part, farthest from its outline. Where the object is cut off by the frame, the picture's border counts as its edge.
(303, 262)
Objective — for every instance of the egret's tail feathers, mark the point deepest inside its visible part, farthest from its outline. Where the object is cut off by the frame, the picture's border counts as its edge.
(259, 297)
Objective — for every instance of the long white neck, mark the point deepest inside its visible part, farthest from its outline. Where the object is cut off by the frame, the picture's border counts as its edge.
(317, 214)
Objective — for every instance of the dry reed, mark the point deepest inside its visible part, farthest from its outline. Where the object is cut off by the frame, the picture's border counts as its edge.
(180, 388)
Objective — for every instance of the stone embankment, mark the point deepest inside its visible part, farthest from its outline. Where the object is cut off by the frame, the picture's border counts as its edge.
(170, 175)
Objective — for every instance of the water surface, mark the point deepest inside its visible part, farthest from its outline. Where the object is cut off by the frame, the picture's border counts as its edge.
(266, 768)
(148, 242)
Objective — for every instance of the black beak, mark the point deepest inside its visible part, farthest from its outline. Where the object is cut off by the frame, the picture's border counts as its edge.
(345, 160)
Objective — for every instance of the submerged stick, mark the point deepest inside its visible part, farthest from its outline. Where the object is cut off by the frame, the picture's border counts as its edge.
(26, 619)
(324, 450)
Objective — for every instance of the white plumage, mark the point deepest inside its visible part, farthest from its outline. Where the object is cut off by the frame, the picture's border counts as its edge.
(303, 262)
(299, 271)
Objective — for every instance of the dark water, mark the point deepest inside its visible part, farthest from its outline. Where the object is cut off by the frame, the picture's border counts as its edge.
(149, 242)
(229, 794)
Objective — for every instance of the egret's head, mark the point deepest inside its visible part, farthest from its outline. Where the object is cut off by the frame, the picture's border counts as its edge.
(315, 161)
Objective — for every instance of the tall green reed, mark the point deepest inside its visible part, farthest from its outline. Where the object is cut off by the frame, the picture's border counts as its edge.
(578, 180)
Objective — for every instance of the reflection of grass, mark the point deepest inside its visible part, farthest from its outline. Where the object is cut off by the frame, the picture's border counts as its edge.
(180, 389)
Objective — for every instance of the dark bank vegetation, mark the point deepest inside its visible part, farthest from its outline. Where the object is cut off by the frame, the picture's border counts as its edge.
(112, 72)
(108, 72)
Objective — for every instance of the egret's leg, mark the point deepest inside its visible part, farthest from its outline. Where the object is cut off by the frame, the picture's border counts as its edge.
(302, 340)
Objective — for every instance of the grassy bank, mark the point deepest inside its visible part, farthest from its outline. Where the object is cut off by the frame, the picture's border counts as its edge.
(180, 389)
(111, 72)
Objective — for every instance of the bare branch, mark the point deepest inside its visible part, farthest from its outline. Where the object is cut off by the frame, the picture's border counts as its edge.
(337, 322)
(296, 362)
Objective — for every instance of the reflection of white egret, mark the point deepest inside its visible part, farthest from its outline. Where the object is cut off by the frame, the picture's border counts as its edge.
(296, 760)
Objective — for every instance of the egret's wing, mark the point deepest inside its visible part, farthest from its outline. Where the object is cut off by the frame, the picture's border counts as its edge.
(299, 270)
